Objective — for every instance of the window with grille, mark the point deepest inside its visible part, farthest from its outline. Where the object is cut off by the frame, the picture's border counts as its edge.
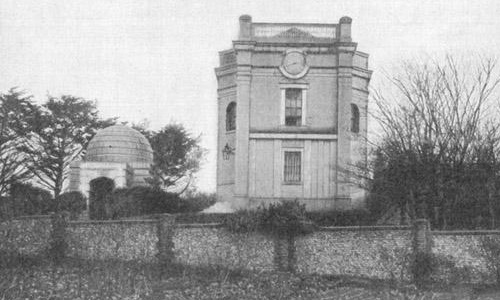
(293, 107)
(231, 116)
(292, 167)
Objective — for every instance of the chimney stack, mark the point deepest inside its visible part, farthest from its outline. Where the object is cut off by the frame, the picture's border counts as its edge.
(345, 29)
(245, 27)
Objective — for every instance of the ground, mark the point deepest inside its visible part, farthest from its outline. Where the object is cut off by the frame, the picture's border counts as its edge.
(120, 280)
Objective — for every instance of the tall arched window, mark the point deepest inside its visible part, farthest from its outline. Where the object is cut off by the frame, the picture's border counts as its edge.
(231, 116)
(354, 118)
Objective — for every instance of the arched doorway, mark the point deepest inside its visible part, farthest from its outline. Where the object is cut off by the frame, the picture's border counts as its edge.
(100, 193)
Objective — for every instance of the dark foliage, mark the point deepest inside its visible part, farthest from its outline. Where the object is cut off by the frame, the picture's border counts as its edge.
(359, 217)
(190, 218)
(284, 218)
(177, 155)
(100, 198)
(141, 200)
(25, 199)
(72, 202)
(438, 155)
(196, 201)
(244, 221)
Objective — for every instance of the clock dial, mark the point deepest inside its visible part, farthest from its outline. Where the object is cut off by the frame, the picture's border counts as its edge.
(294, 63)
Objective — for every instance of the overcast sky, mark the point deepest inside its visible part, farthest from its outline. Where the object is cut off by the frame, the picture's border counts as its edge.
(155, 59)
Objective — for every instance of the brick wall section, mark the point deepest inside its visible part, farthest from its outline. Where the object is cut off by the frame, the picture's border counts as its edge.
(463, 250)
(376, 252)
(127, 240)
(26, 235)
(205, 244)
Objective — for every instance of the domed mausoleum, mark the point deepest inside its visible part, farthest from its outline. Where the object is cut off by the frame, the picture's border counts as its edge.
(117, 152)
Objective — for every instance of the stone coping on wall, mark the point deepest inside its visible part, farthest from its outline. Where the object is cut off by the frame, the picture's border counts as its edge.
(200, 225)
(32, 217)
(465, 232)
(111, 222)
(363, 228)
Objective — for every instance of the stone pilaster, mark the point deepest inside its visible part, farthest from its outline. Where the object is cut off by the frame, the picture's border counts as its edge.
(165, 233)
(243, 81)
(422, 238)
(344, 85)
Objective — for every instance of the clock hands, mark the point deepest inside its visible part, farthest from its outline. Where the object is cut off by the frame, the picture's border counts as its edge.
(294, 64)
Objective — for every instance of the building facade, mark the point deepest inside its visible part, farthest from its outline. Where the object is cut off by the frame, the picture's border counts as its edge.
(117, 152)
(292, 115)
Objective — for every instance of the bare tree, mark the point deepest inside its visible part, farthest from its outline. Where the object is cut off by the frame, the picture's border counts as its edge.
(436, 128)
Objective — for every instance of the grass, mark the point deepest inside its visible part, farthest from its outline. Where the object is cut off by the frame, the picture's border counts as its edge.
(38, 278)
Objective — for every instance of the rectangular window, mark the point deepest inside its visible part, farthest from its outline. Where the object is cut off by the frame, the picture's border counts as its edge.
(292, 166)
(293, 107)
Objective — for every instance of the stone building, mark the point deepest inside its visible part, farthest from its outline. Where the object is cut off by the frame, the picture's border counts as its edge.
(117, 152)
(292, 115)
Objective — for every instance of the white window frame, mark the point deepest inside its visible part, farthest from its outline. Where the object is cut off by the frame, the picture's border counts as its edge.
(302, 86)
(301, 150)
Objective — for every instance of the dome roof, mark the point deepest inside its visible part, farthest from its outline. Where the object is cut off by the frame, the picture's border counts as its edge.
(119, 143)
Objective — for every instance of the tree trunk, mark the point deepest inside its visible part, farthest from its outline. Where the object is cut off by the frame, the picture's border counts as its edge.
(58, 185)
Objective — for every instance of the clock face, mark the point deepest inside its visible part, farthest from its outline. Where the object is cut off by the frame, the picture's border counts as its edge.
(294, 64)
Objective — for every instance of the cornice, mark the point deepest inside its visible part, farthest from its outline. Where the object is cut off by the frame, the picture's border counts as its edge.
(226, 89)
(225, 70)
(292, 136)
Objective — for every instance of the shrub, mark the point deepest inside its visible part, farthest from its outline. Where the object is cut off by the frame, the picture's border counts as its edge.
(73, 202)
(29, 200)
(142, 200)
(284, 218)
(100, 198)
(244, 221)
(190, 218)
(358, 217)
(196, 201)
